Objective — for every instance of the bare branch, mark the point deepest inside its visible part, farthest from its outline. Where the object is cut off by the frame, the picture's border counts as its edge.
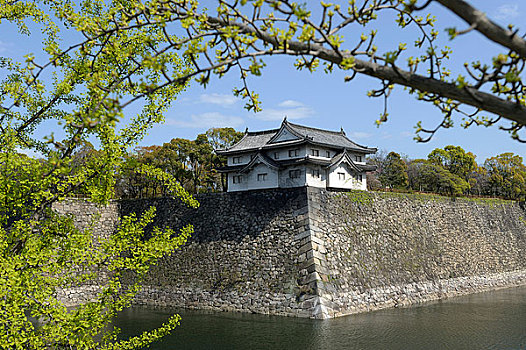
(468, 95)
(485, 26)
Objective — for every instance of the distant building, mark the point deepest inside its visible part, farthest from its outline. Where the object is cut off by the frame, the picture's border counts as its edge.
(296, 156)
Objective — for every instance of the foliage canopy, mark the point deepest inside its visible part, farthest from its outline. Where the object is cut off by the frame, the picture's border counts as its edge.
(79, 91)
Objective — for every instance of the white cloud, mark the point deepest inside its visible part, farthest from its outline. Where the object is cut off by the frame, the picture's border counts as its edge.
(291, 104)
(5, 47)
(218, 99)
(206, 121)
(290, 109)
(507, 11)
(386, 136)
(359, 135)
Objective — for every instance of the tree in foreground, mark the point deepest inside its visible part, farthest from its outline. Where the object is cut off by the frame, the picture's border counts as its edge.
(78, 92)
(242, 35)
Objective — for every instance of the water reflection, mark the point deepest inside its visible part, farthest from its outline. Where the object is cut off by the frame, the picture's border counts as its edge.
(494, 320)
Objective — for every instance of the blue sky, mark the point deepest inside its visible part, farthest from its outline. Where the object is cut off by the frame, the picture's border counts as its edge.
(326, 101)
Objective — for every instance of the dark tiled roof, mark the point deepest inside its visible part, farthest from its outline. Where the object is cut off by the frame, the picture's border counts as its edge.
(261, 139)
(327, 137)
(252, 140)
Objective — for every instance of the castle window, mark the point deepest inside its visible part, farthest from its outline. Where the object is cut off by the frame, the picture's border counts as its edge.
(328, 154)
(294, 152)
(316, 173)
(236, 160)
(237, 179)
(262, 177)
(276, 155)
(315, 152)
(294, 174)
(341, 176)
(358, 158)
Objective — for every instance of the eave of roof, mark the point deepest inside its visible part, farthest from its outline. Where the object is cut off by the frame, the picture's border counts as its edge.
(261, 138)
(297, 161)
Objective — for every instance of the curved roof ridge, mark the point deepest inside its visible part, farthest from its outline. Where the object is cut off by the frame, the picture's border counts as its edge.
(254, 140)
(316, 129)
(340, 157)
(262, 132)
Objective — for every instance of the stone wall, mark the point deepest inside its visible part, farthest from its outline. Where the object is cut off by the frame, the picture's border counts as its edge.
(101, 221)
(381, 250)
(309, 252)
(242, 255)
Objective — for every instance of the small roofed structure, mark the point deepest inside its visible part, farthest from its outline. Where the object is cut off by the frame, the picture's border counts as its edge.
(296, 156)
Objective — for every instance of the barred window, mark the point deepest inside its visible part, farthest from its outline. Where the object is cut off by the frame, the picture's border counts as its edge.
(294, 152)
(294, 174)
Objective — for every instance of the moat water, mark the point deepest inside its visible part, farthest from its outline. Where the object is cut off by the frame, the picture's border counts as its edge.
(492, 320)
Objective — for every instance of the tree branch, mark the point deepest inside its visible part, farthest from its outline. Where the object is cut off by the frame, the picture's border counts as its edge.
(467, 95)
(485, 26)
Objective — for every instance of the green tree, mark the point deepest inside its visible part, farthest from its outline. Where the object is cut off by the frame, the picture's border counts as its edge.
(82, 90)
(454, 159)
(220, 138)
(240, 35)
(394, 172)
(507, 176)
(191, 162)
(429, 177)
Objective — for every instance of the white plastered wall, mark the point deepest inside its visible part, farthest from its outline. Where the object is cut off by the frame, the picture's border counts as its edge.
(250, 180)
(270, 181)
(350, 182)
(244, 159)
(314, 181)
(284, 177)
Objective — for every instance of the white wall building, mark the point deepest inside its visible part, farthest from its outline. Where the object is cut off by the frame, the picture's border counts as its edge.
(296, 156)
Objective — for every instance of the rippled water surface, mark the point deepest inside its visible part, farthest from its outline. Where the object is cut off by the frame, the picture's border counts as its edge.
(493, 320)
